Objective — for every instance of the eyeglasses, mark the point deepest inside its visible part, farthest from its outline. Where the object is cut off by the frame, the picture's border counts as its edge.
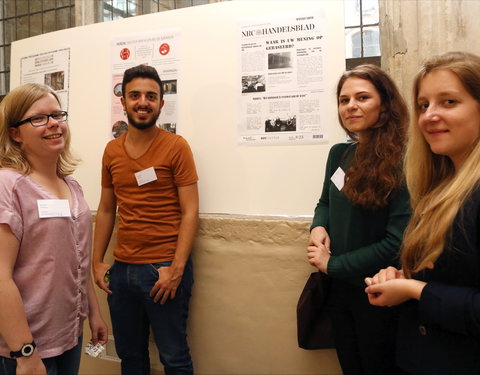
(41, 120)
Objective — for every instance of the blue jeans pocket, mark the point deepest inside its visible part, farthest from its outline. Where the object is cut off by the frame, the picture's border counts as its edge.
(155, 266)
(187, 277)
(8, 366)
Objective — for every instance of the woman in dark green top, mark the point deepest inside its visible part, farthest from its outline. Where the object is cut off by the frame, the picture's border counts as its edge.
(360, 218)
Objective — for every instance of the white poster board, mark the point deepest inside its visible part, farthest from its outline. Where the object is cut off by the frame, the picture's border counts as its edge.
(282, 69)
(264, 180)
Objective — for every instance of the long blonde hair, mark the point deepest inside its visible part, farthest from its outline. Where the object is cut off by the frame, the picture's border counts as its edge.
(12, 108)
(437, 191)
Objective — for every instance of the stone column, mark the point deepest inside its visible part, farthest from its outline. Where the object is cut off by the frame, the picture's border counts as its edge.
(412, 30)
(85, 11)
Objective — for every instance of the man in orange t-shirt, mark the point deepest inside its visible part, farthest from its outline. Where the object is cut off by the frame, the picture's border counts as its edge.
(149, 174)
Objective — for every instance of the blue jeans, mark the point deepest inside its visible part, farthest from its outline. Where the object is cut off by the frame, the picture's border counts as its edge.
(66, 363)
(133, 312)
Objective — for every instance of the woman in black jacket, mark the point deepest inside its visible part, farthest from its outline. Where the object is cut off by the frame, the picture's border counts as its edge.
(438, 286)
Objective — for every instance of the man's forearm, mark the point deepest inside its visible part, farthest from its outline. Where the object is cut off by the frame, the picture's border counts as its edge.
(186, 237)
(104, 224)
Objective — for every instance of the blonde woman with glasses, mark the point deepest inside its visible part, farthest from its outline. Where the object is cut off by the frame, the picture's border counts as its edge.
(45, 237)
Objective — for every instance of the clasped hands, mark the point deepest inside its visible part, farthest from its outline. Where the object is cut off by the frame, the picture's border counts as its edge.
(318, 256)
(389, 287)
(318, 250)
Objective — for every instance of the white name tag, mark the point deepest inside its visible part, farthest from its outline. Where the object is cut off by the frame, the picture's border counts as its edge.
(338, 178)
(145, 176)
(53, 208)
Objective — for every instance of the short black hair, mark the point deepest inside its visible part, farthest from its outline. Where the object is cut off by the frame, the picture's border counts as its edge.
(141, 71)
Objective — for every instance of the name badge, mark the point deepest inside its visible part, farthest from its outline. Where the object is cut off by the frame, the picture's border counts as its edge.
(145, 176)
(53, 208)
(338, 178)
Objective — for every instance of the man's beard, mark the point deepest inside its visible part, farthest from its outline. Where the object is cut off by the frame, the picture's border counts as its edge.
(142, 125)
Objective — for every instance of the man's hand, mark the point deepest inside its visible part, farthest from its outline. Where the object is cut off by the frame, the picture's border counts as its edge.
(167, 284)
(32, 365)
(99, 272)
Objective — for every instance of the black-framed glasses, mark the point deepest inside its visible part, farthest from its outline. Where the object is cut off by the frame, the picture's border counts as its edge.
(41, 120)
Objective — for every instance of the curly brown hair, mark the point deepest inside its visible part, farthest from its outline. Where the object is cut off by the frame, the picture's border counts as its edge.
(376, 169)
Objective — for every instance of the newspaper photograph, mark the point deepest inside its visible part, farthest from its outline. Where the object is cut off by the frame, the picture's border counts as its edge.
(282, 84)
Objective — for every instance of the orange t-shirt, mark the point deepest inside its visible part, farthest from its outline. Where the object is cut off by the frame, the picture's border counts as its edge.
(150, 214)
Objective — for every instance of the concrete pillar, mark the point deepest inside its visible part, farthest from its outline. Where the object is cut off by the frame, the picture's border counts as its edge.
(85, 11)
(412, 30)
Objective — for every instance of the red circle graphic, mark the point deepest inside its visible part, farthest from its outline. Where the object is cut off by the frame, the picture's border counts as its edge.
(164, 49)
(124, 53)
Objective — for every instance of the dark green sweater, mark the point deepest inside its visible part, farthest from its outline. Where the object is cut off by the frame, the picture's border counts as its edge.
(362, 241)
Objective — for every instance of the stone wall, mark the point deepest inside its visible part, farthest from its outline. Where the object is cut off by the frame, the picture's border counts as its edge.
(249, 272)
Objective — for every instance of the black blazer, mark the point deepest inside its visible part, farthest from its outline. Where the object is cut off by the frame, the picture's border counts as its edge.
(440, 334)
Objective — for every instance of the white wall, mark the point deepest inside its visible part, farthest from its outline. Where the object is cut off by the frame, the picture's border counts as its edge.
(272, 180)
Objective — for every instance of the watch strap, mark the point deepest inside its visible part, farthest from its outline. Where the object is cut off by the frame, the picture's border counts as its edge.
(25, 351)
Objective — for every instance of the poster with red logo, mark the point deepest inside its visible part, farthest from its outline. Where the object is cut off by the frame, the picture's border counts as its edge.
(159, 49)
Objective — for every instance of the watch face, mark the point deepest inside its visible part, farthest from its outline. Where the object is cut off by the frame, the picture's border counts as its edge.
(27, 350)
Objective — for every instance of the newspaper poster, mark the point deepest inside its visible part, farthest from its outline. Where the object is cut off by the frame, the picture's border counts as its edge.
(282, 84)
(160, 49)
(51, 68)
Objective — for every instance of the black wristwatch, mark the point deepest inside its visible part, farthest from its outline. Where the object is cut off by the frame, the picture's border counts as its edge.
(25, 351)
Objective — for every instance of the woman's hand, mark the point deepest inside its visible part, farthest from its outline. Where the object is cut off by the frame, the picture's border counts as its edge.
(319, 236)
(394, 291)
(32, 365)
(97, 324)
(318, 256)
(385, 274)
(98, 328)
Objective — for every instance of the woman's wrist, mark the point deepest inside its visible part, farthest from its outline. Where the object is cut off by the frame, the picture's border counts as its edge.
(416, 288)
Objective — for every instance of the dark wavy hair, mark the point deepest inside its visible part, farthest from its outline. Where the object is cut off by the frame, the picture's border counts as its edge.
(376, 169)
(141, 71)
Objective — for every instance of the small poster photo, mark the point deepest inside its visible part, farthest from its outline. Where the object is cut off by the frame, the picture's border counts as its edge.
(278, 124)
(255, 83)
(118, 128)
(117, 90)
(169, 87)
(169, 127)
(55, 80)
(279, 60)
